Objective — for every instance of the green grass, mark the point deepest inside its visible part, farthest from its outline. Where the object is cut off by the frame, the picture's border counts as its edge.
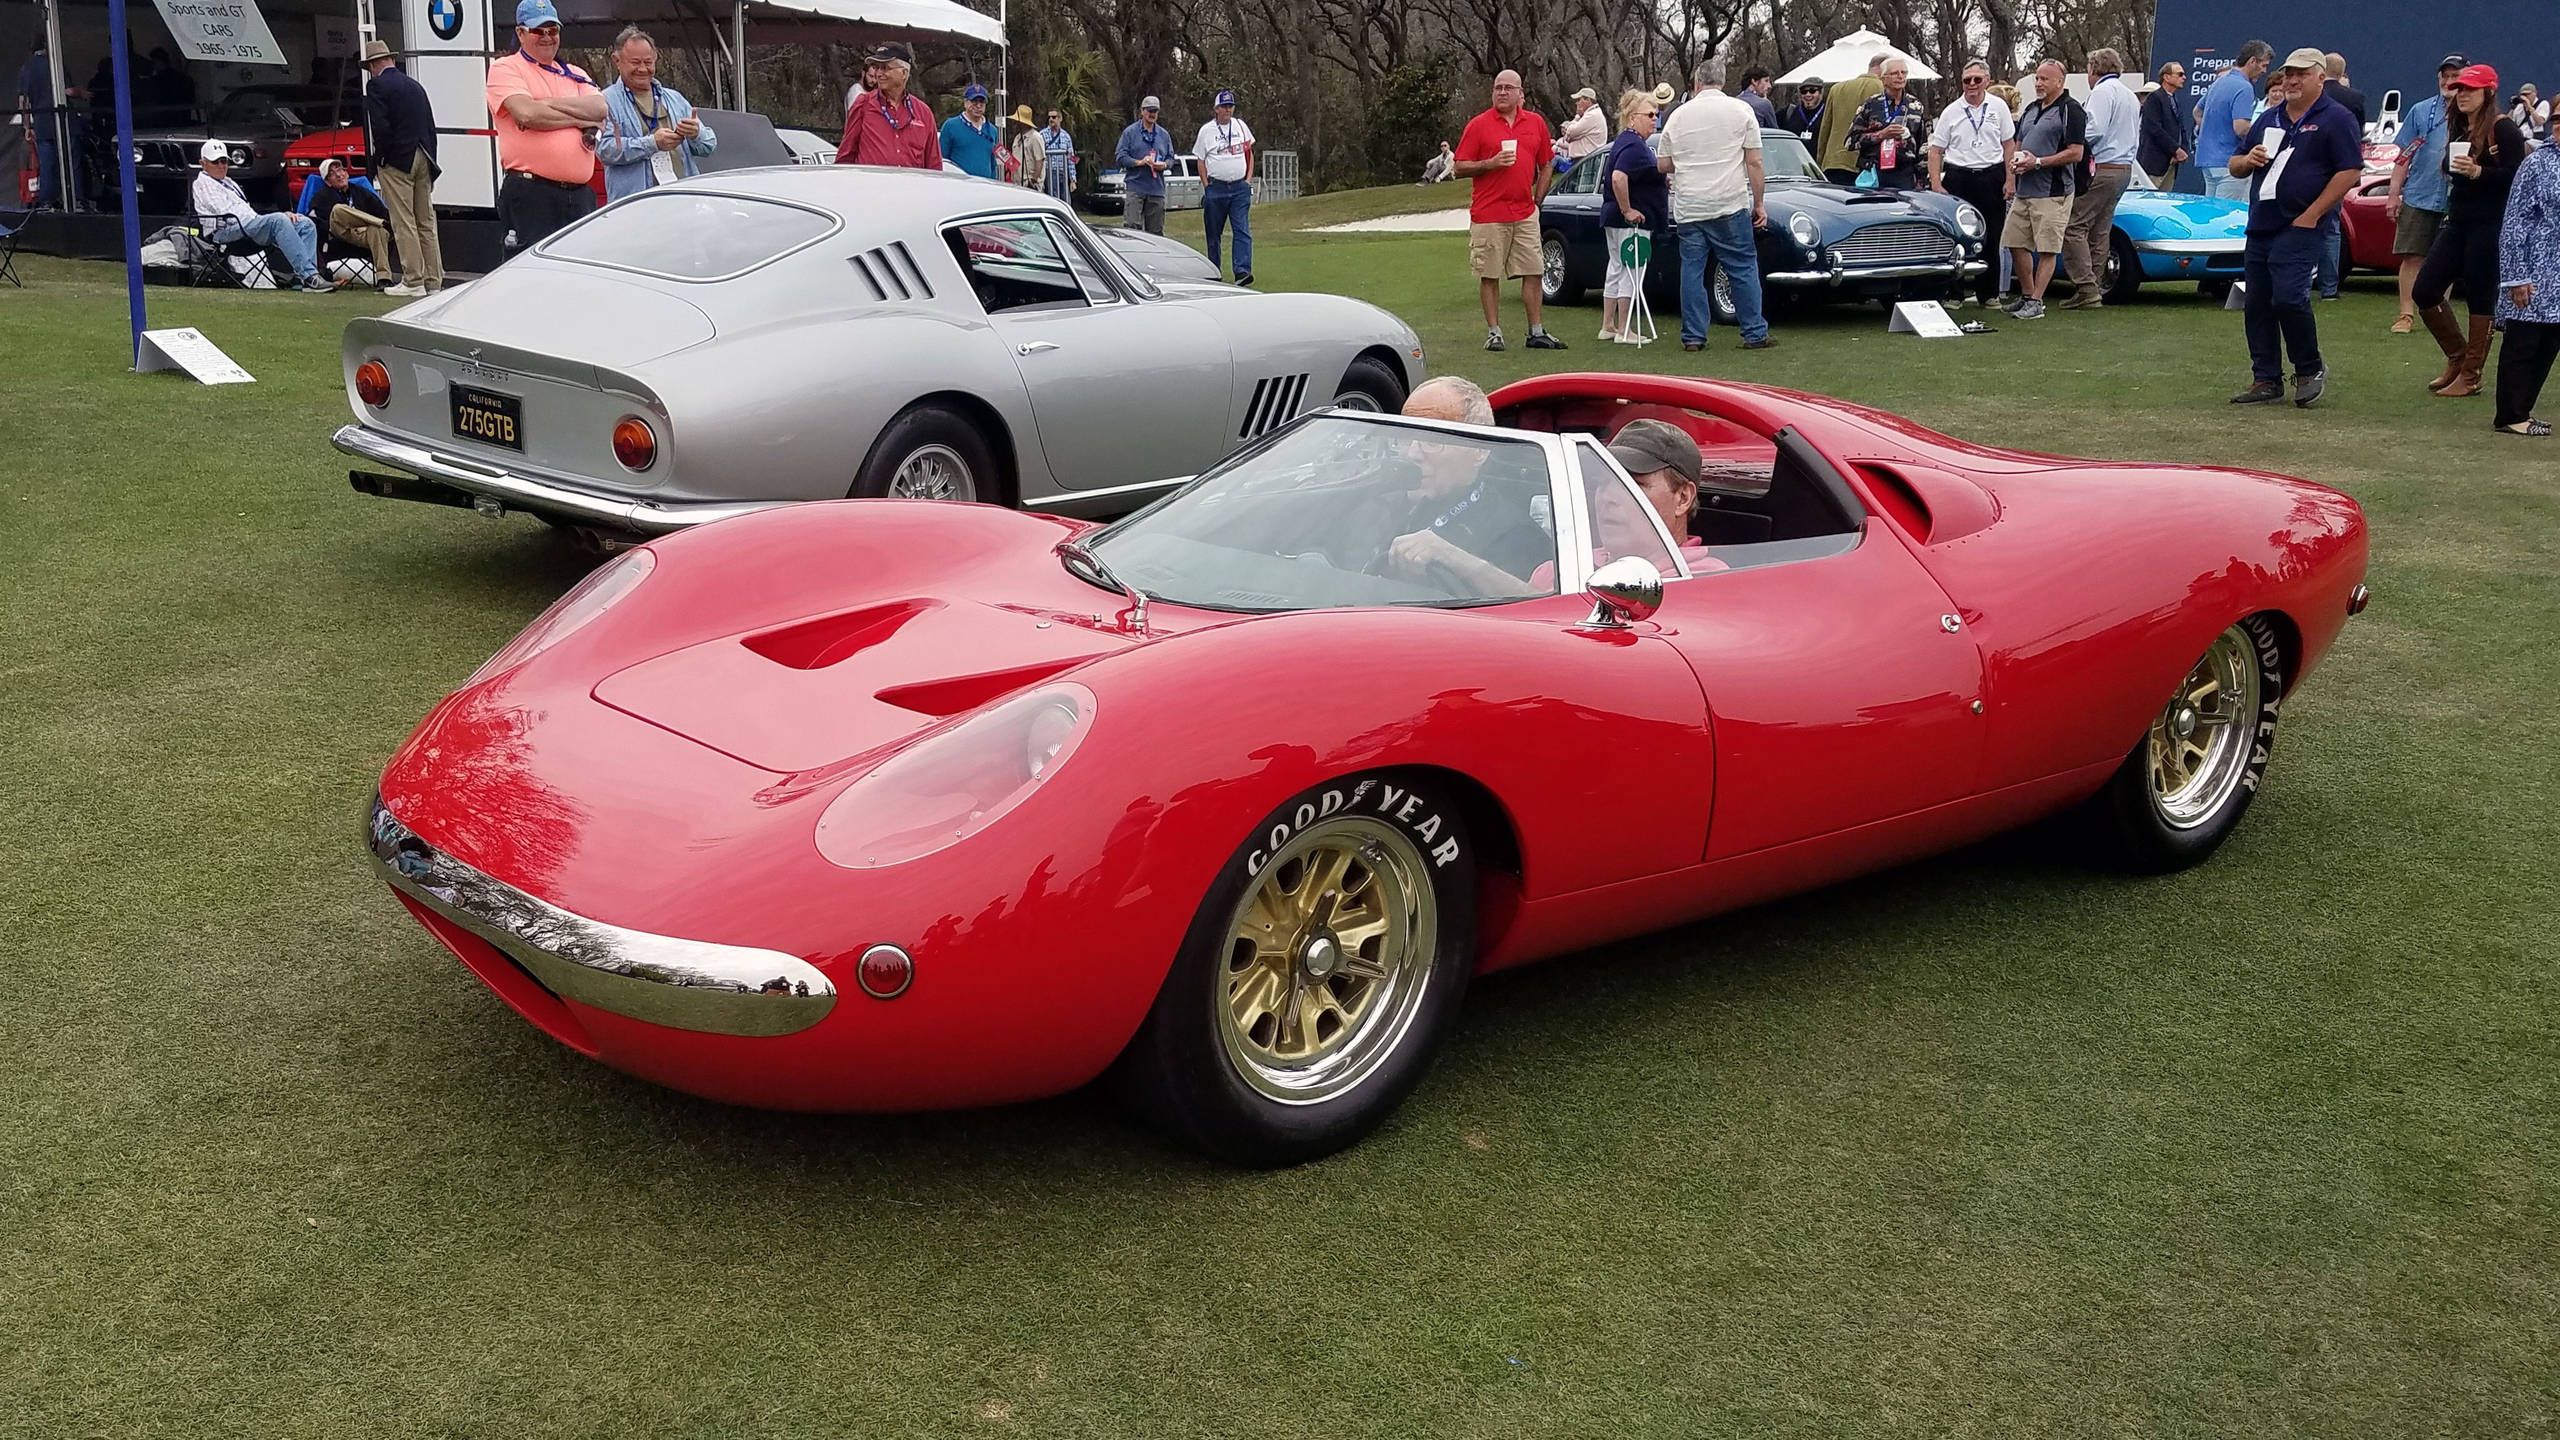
(1995, 1145)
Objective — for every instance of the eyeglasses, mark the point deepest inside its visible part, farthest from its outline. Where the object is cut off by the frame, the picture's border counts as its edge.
(1977, 79)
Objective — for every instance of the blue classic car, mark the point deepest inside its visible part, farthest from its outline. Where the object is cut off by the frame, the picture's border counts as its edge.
(2164, 236)
(1823, 239)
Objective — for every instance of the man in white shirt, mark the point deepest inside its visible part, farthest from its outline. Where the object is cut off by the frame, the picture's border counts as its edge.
(1711, 151)
(1225, 148)
(2115, 135)
(225, 216)
(1587, 133)
(1969, 150)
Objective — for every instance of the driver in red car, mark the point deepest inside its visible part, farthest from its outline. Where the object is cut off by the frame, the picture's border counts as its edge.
(1665, 464)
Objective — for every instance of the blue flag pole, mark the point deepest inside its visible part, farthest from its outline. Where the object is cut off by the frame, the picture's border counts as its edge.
(124, 173)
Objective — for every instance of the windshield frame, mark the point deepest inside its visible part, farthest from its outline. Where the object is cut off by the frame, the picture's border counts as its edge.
(1793, 176)
(1564, 496)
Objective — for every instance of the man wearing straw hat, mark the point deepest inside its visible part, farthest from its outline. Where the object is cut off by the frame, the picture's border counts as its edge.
(1030, 157)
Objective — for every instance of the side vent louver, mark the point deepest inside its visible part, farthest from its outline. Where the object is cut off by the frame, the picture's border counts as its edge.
(1275, 402)
(892, 274)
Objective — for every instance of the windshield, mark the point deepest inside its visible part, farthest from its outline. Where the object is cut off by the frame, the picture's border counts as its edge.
(1783, 157)
(1337, 511)
(681, 234)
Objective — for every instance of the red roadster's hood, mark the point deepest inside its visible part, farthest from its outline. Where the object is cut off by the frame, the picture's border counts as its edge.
(798, 696)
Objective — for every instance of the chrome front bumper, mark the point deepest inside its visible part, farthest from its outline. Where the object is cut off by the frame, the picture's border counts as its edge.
(519, 492)
(2217, 245)
(681, 984)
(1842, 275)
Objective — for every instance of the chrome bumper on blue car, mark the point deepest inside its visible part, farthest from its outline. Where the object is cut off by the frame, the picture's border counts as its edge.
(510, 491)
(681, 984)
(1842, 275)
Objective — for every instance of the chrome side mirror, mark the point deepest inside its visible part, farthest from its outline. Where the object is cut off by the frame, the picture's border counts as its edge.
(1623, 590)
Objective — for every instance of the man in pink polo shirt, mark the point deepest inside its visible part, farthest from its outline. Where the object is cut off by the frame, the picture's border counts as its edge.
(887, 125)
(546, 112)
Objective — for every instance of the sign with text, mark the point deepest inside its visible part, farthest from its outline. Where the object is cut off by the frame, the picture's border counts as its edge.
(1925, 318)
(188, 350)
(229, 31)
(333, 37)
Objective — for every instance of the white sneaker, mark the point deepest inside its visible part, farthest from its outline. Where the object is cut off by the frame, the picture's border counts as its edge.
(1628, 337)
(406, 291)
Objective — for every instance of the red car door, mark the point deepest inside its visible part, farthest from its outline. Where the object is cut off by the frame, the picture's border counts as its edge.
(1843, 691)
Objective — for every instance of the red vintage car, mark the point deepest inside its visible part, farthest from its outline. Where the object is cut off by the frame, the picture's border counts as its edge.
(884, 805)
(2370, 229)
(315, 148)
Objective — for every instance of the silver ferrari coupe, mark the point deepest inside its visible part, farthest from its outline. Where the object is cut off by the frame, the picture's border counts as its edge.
(759, 337)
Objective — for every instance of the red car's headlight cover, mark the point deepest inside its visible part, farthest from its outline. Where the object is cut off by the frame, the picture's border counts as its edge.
(572, 612)
(950, 785)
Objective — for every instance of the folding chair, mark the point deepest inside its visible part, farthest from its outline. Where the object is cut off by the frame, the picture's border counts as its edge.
(213, 257)
(1635, 252)
(10, 230)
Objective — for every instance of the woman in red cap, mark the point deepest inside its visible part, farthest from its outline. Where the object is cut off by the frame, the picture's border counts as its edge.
(2482, 150)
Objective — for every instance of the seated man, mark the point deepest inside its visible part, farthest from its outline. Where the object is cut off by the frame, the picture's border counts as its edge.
(1666, 465)
(225, 214)
(349, 210)
(1451, 520)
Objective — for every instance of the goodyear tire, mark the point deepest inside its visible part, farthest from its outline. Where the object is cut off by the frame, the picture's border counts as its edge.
(2182, 791)
(1319, 977)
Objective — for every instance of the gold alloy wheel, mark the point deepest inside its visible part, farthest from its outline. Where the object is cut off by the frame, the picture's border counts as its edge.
(2200, 745)
(1326, 961)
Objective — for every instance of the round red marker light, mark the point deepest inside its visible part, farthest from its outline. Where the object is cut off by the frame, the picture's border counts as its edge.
(885, 972)
(635, 444)
(373, 384)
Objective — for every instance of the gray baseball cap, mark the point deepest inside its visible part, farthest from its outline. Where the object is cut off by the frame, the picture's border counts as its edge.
(1644, 446)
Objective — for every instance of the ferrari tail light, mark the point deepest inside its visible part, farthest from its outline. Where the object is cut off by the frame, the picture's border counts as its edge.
(953, 783)
(634, 443)
(373, 384)
(599, 592)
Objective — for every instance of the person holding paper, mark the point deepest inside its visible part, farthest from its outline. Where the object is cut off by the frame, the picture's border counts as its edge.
(2482, 151)
(1145, 155)
(2300, 158)
(650, 135)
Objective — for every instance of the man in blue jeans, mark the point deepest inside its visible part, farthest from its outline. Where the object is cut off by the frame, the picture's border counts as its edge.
(1711, 151)
(1225, 148)
(2300, 158)
(2227, 108)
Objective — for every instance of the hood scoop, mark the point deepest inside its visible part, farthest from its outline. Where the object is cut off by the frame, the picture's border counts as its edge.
(806, 694)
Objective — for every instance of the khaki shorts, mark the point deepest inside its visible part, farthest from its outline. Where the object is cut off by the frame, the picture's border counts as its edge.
(2415, 232)
(2037, 225)
(1505, 252)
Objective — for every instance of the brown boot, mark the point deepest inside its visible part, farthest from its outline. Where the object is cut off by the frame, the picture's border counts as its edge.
(2475, 355)
(2449, 339)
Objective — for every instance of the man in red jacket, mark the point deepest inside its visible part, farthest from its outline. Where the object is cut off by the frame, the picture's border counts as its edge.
(888, 126)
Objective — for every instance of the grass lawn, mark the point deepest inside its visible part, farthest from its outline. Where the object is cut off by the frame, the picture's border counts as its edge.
(1992, 1146)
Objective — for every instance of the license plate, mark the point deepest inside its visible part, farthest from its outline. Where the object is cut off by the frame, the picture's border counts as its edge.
(488, 417)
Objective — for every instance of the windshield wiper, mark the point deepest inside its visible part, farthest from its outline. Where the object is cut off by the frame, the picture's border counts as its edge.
(1079, 555)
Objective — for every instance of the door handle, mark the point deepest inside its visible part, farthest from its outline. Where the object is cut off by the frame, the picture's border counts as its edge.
(1033, 347)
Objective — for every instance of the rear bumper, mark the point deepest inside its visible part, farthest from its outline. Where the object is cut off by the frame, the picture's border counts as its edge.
(660, 979)
(474, 481)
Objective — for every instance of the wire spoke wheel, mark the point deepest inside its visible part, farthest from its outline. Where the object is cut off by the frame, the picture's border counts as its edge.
(933, 472)
(1326, 961)
(2199, 746)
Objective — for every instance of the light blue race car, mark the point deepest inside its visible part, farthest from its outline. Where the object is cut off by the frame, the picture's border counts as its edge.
(2162, 236)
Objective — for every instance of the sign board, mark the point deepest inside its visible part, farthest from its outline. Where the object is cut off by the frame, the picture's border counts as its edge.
(333, 37)
(188, 350)
(230, 31)
(1925, 318)
(446, 46)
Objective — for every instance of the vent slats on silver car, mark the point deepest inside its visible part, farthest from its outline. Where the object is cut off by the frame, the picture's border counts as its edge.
(1901, 242)
(892, 274)
(1275, 402)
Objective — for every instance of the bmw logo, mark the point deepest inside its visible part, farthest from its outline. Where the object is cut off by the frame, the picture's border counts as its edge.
(445, 18)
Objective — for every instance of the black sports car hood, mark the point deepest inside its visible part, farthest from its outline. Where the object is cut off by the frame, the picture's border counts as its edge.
(1861, 207)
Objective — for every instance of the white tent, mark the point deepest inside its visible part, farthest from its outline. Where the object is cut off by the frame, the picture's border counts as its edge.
(1848, 56)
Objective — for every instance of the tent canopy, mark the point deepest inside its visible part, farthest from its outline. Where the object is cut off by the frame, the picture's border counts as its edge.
(1848, 56)
(771, 17)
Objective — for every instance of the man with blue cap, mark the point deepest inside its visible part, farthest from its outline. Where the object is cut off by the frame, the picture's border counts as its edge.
(546, 112)
(969, 139)
(1225, 148)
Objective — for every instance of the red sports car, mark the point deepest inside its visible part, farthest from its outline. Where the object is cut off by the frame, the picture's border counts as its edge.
(2370, 229)
(879, 805)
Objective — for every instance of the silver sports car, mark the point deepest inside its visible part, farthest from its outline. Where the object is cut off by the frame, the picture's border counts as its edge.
(759, 337)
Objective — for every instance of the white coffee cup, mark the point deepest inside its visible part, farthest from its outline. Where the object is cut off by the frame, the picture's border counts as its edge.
(1511, 148)
(2457, 150)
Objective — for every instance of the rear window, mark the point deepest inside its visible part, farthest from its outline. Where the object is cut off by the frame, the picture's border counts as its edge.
(679, 234)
